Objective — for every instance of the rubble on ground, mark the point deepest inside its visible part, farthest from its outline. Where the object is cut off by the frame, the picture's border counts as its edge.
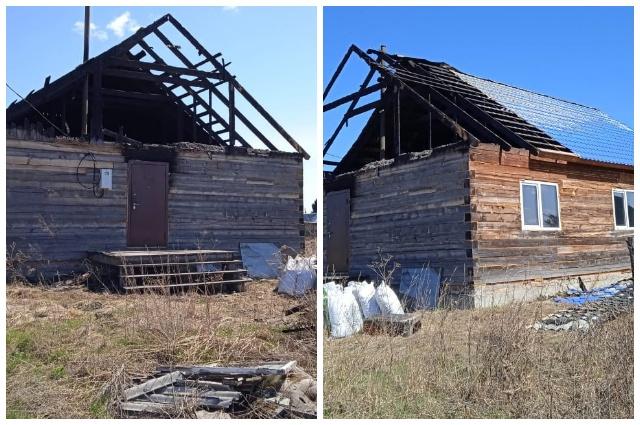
(589, 308)
(273, 390)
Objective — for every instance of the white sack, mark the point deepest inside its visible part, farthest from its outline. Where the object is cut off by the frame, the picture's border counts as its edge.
(298, 276)
(365, 294)
(344, 313)
(388, 300)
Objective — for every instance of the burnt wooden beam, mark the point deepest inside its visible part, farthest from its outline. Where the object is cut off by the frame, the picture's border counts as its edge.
(96, 109)
(232, 115)
(338, 70)
(356, 95)
(167, 69)
(146, 76)
(376, 104)
(147, 97)
(345, 118)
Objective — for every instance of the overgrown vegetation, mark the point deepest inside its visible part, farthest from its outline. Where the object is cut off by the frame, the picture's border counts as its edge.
(483, 364)
(70, 352)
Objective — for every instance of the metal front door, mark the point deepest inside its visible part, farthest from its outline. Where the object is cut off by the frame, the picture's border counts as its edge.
(338, 220)
(147, 219)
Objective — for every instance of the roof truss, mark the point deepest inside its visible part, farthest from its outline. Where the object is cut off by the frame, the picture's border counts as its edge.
(195, 89)
(470, 114)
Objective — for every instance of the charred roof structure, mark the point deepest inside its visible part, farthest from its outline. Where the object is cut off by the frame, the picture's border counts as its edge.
(473, 183)
(148, 89)
(425, 104)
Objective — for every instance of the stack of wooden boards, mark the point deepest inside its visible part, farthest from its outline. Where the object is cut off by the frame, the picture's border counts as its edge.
(201, 390)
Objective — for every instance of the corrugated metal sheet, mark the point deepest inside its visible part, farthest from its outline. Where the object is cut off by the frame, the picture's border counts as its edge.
(587, 132)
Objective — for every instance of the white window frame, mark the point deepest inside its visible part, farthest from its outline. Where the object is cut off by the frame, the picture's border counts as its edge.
(626, 209)
(539, 226)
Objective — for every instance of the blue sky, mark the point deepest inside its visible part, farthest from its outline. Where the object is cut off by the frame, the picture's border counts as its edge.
(582, 54)
(272, 50)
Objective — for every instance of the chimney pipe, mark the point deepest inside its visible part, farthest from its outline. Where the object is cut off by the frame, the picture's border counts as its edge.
(85, 58)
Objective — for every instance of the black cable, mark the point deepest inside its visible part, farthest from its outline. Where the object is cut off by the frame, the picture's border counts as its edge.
(96, 177)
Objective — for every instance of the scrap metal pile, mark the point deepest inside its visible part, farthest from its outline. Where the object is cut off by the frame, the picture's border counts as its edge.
(275, 390)
(590, 308)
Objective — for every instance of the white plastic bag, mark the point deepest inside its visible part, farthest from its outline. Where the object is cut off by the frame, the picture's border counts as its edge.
(388, 300)
(365, 294)
(344, 312)
(298, 276)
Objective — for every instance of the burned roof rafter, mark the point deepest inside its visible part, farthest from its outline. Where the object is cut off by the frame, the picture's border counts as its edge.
(145, 76)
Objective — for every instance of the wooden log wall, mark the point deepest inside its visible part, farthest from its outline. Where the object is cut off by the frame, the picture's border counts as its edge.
(222, 200)
(587, 242)
(216, 200)
(51, 219)
(417, 212)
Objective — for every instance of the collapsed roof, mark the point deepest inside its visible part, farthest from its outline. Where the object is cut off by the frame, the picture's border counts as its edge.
(423, 105)
(137, 93)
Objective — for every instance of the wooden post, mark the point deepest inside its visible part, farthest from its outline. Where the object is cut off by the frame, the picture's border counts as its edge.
(382, 116)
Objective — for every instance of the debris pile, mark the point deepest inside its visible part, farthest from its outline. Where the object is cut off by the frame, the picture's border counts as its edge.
(590, 308)
(274, 390)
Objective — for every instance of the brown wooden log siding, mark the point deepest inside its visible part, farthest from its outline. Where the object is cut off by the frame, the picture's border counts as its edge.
(416, 212)
(215, 200)
(587, 241)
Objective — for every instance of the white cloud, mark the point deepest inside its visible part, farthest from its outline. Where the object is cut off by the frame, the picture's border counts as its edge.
(234, 9)
(123, 24)
(94, 31)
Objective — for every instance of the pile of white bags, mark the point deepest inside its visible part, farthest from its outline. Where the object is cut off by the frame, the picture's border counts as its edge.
(348, 305)
(298, 277)
(344, 313)
(388, 300)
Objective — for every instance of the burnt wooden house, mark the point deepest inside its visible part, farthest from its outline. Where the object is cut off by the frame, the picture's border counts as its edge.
(151, 147)
(484, 183)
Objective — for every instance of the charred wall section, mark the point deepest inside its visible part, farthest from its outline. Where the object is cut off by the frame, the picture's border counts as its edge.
(416, 209)
(216, 200)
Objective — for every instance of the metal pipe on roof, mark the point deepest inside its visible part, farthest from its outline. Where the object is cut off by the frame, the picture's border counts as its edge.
(85, 88)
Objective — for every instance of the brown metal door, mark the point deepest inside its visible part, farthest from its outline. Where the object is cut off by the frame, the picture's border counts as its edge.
(338, 220)
(147, 221)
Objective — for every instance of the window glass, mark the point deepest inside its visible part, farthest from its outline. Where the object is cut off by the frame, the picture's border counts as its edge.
(530, 204)
(630, 208)
(618, 206)
(550, 216)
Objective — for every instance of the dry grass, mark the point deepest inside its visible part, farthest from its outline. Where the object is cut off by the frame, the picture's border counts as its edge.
(483, 364)
(69, 352)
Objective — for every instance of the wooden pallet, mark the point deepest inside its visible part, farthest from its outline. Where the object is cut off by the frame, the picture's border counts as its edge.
(208, 270)
(394, 324)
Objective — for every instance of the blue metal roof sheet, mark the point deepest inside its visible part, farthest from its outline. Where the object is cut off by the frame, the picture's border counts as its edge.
(587, 132)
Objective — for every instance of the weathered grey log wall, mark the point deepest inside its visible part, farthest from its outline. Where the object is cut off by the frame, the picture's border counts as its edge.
(52, 220)
(417, 211)
(587, 242)
(222, 200)
(216, 200)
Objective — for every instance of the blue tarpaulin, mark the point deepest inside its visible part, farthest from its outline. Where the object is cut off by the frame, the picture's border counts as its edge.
(575, 296)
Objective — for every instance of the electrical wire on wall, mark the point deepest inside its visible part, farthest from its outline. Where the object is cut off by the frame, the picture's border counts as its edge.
(95, 181)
